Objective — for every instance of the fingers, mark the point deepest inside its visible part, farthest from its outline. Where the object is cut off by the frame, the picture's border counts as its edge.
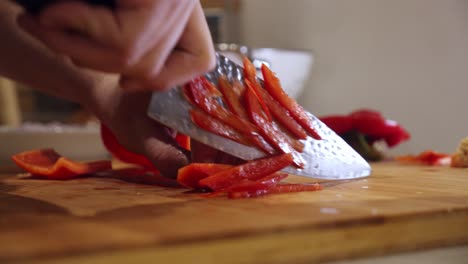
(153, 44)
(81, 50)
(194, 56)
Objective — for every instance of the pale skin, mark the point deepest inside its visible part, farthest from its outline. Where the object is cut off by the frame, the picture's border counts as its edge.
(112, 62)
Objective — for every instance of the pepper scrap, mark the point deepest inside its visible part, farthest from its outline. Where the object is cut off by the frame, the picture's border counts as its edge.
(362, 128)
(49, 164)
(427, 157)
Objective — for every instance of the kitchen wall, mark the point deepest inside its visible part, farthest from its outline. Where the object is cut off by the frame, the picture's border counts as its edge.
(406, 58)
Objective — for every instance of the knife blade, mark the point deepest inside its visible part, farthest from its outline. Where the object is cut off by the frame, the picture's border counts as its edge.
(330, 158)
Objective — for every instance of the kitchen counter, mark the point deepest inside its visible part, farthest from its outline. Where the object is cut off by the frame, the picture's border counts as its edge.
(419, 213)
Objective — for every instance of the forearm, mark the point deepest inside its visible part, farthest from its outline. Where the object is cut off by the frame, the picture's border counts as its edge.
(26, 60)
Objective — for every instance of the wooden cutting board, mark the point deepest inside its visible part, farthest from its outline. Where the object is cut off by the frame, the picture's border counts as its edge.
(129, 219)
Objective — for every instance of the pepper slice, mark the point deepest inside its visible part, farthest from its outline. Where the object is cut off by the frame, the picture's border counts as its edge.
(273, 86)
(190, 175)
(250, 73)
(232, 99)
(183, 140)
(205, 101)
(269, 180)
(51, 165)
(271, 133)
(113, 146)
(252, 170)
(283, 116)
(428, 157)
(263, 189)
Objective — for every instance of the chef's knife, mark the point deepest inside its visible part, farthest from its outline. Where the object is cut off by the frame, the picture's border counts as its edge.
(328, 158)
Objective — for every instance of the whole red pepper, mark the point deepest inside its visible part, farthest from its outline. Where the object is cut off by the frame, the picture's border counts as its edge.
(363, 127)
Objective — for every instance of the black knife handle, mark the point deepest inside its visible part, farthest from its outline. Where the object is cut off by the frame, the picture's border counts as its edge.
(35, 6)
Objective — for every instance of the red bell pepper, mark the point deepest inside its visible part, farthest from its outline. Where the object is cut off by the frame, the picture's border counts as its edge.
(273, 86)
(340, 124)
(370, 123)
(252, 170)
(363, 127)
(49, 164)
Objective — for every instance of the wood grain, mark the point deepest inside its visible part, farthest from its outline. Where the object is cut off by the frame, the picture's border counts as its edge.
(109, 219)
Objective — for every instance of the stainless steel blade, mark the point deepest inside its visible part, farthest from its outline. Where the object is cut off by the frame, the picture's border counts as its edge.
(330, 158)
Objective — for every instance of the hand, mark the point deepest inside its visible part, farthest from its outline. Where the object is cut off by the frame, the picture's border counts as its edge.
(125, 115)
(26, 60)
(153, 44)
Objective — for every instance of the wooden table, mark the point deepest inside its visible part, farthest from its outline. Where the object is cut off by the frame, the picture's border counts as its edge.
(109, 219)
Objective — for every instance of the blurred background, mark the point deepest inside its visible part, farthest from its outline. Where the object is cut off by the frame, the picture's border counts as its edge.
(405, 58)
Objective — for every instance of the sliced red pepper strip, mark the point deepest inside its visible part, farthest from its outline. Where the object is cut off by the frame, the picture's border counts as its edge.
(118, 151)
(215, 126)
(250, 73)
(190, 175)
(271, 133)
(252, 170)
(267, 180)
(51, 165)
(263, 189)
(238, 88)
(283, 116)
(204, 100)
(207, 103)
(273, 178)
(213, 90)
(273, 86)
(231, 98)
